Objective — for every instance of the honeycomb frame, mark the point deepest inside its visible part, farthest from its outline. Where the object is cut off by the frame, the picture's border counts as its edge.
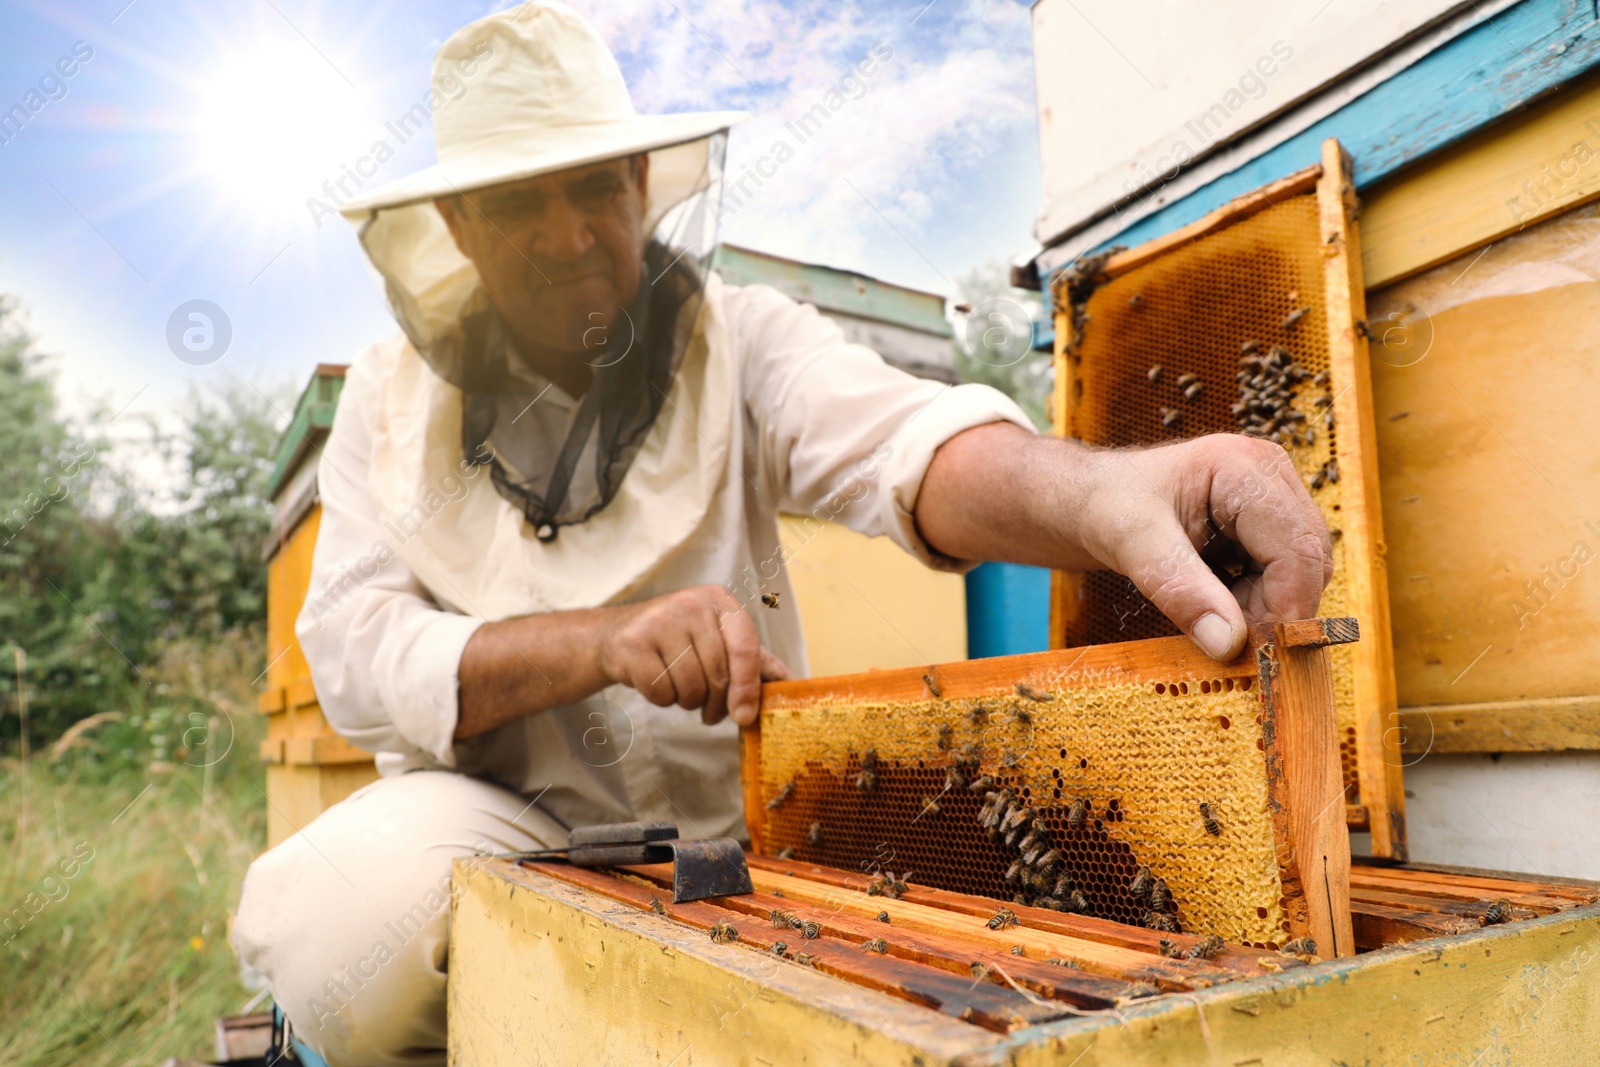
(1278, 267)
(1144, 731)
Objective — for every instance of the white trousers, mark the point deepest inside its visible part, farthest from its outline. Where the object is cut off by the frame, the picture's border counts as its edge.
(349, 919)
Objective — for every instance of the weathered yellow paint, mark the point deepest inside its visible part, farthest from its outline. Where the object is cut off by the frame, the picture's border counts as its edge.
(1528, 168)
(865, 604)
(542, 972)
(546, 972)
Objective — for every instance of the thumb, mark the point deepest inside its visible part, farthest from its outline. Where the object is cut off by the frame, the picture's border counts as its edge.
(1164, 566)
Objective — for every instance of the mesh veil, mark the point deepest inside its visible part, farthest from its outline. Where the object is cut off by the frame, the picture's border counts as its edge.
(560, 472)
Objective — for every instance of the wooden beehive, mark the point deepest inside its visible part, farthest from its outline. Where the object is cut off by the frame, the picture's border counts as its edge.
(1106, 754)
(309, 766)
(555, 964)
(1278, 269)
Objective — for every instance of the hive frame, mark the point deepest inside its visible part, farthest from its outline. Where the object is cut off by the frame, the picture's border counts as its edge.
(1287, 667)
(1379, 804)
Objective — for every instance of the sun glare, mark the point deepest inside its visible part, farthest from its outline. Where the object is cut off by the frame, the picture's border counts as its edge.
(276, 122)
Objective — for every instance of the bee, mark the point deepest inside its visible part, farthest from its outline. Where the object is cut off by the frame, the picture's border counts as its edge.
(1320, 379)
(780, 918)
(1193, 390)
(786, 853)
(1159, 920)
(1186, 380)
(1168, 949)
(771, 599)
(1249, 347)
(933, 686)
(1170, 416)
(1016, 950)
(1015, 818)
(1059, 962)
(969, 755)
(953, 778)
(1014, 873)
(1047, 903)
(930, 806)
(883, 916)
(1159, 897)
(895, 885)
(1020, 716)
(1154, 373)
(1499, 912)
(980, 785)
(780, 948)
(1029, 693)
(1140, 884)
(784, 793)
(1050, 860)
(1212, 826)
(977, 714)
(805, 959)
(980, 971)
(1078, 814)
(1031, 854)
(1077, 902)
(1291, 320)
(867, 780)
(724, 933)
(1001, 919)
(1332, 469)
(1063, 887)
(1133, 301)
(877, 944)
(1010, 758)
(1318, 478)
(657, 907)
(814, 834)
(1029, 843)
(1300, 946)
(1397, 416)
(1205, 948)
(944, 737)
(811, 930)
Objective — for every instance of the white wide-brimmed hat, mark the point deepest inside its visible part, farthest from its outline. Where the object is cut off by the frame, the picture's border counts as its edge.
(528, 91)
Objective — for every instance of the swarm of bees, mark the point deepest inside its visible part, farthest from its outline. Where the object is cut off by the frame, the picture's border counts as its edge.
(1077, 283)
(1213, 827)
(867, 780)
(724, 933)
(1266, 394)
(1499, 912)
(877, 944)
(1001, 919)
(784, 793)
(1300, 946)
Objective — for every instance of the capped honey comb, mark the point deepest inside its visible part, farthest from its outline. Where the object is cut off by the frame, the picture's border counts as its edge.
(1182, 325)
(1108, 751)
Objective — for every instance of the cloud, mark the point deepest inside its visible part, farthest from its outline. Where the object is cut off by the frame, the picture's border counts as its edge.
(956, 96)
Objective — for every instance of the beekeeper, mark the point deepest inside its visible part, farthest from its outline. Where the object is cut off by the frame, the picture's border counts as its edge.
(550, 507)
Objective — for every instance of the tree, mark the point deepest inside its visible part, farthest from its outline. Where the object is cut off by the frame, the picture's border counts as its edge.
(994, 340)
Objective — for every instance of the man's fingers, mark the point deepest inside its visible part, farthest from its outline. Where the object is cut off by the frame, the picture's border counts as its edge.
(649, 674)
(773, 669)
(712, 654)
(1266, 509)
(1164, 566)
(744, 663)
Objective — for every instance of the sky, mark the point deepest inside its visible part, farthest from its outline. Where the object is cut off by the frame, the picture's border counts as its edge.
(171, 150)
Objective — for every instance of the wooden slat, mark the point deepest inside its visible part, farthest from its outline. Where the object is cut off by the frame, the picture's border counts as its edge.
(750, 784)
(1544, 903)
(1376, 925)
(1308, 741)
(1553, 724)
(1037, 944)
(1490, 883)
(1344, 293)
(1318, 633)
(1075, 987)
(993, 1007)
(1243, 960)
(1418, 902)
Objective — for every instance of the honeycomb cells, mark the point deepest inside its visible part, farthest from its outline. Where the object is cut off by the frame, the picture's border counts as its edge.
(1192, 311)
(1143, 757)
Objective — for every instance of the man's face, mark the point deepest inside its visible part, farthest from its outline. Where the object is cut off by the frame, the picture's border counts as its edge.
(560, 255)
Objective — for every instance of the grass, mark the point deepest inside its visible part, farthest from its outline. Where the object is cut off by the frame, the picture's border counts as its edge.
(124, 848)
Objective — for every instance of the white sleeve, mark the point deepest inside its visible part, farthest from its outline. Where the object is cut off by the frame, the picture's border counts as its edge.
(845, 436)
(383, 656)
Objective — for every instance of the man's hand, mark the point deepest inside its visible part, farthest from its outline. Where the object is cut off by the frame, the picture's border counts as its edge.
(1161, 516)
(695, 648)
